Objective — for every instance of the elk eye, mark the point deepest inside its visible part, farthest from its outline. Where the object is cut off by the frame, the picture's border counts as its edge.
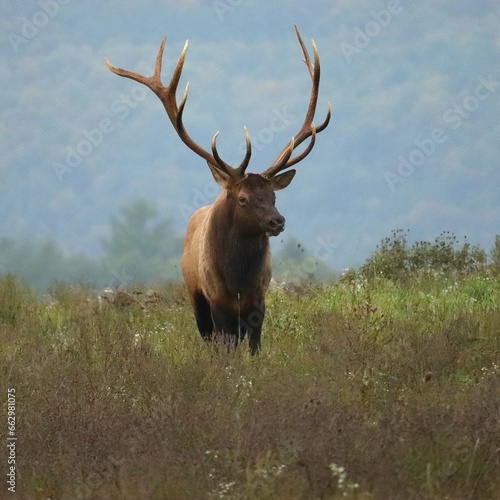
(242, 200)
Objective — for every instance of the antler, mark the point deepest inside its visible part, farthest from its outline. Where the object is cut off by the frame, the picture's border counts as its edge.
(308, 129)
(174, 111)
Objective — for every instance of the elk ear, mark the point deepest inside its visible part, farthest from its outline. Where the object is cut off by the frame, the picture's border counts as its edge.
(221, 177)
(281, 181)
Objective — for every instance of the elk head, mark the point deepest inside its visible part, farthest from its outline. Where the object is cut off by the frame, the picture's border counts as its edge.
(226, 260)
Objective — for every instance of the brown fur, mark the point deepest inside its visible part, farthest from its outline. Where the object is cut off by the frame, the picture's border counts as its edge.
(227, 260)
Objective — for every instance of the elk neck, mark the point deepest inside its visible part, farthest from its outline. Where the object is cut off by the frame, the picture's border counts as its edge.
(244, 256)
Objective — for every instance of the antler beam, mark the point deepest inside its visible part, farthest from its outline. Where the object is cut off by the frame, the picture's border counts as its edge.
(167, 95)
(308, 128)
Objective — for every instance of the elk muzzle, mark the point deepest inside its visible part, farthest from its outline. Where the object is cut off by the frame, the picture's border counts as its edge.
(275, 225)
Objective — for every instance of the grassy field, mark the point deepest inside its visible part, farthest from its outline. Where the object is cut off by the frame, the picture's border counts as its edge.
(365, 389)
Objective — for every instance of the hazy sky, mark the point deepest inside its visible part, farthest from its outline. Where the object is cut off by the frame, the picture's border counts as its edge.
(413, 142)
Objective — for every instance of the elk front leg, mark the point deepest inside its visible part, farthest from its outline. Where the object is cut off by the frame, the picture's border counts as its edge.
(227, 326)
(203, 316)
(253, 320)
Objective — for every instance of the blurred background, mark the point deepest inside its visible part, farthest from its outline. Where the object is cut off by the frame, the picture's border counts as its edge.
(96, 187)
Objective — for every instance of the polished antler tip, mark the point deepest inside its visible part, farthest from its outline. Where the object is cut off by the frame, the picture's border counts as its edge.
(162, 44)
(247, 137)
(214, 139)
(109, 65)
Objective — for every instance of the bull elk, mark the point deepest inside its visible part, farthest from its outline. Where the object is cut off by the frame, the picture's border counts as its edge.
(226, 261)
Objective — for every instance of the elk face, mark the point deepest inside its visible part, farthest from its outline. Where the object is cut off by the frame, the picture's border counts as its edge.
(253, 199)
(254, 203)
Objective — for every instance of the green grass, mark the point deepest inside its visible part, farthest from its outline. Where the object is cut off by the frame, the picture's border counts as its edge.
(366, 389)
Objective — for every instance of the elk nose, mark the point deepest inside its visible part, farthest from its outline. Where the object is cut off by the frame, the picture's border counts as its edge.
(276, 224)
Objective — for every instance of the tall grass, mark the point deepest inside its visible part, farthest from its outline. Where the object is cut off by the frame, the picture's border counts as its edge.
(365, 389)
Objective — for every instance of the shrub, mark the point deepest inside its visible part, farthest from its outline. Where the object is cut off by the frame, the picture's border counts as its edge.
(395, 259)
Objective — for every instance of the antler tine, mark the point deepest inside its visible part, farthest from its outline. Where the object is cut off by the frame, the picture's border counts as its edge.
(244, 164)
(167, 95)
(307, 59)
(152, 82)
(237, 173)
(326, 121)
(308, 128)
(174, 81)
(301, 156)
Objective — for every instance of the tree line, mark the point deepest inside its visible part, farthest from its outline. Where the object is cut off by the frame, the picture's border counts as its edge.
(141, 248)
(144, 248)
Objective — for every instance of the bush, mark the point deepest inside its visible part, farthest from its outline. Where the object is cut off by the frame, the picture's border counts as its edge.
(396, 260)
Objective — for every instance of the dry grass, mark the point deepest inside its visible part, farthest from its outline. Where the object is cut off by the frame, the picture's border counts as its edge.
(363, 390)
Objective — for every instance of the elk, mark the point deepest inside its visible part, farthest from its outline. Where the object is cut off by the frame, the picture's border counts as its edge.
(226, 261)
